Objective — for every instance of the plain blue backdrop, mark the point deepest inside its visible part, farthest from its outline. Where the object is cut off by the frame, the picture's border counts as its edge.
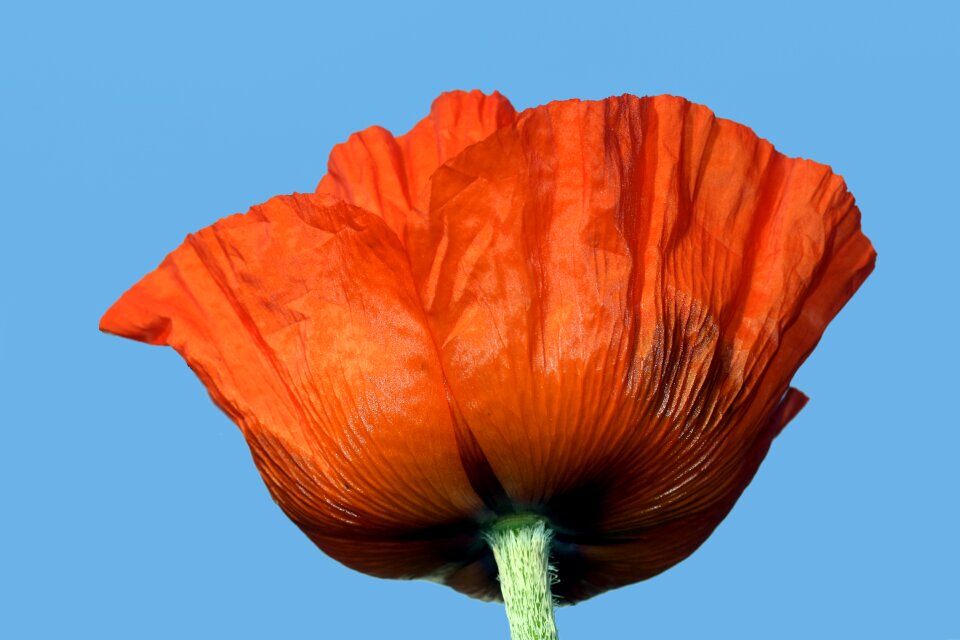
(131, 508)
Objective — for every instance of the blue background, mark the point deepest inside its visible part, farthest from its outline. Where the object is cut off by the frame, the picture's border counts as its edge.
(131, 506)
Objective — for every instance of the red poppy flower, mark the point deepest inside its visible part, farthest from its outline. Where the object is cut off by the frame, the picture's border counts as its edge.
(588, 312)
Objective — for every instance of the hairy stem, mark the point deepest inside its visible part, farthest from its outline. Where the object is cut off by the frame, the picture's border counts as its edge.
(521, 547)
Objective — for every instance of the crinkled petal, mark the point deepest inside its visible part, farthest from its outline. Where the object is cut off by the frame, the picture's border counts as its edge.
(621, 291)
(302, 320)
(385, 174)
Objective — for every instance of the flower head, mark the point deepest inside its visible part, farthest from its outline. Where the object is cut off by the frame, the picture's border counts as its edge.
(589, 312)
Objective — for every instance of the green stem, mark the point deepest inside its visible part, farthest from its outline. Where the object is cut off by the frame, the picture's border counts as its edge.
(521, 547)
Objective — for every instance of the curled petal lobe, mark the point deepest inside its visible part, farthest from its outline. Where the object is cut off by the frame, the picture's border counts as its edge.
(302, 320)
(385, 174)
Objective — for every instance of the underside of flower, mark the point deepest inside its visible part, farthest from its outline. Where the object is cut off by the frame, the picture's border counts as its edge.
(587, 314)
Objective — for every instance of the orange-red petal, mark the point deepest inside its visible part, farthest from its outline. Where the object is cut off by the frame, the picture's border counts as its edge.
(302, 320)
(591, 311)
(385, 174)
(621, 291)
